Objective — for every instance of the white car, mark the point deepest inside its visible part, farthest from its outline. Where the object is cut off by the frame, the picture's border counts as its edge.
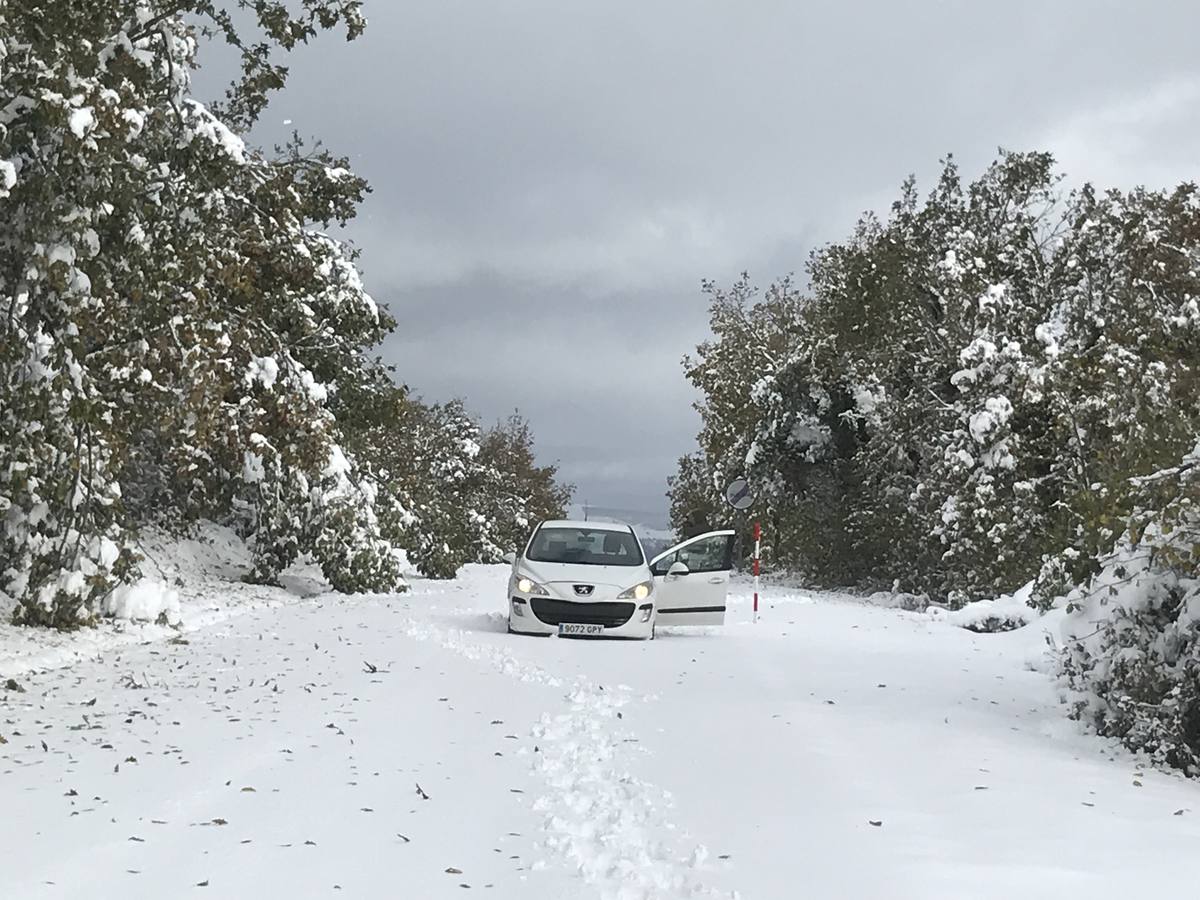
(593, 578)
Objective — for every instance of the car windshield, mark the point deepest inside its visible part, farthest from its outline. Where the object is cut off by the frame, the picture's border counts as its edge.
(584, 546)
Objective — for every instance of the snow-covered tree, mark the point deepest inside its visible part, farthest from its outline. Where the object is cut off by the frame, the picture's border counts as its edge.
(1126, 342)
(967, 385)
(511, 492)
(481, 495)
(172, 304)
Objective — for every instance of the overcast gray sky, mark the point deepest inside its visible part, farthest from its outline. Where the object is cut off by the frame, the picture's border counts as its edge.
(553, 178)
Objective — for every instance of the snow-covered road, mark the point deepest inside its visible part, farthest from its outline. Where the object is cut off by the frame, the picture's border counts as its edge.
(408, 748)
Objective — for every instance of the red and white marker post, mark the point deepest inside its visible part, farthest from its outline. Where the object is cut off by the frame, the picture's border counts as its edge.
(757, 557)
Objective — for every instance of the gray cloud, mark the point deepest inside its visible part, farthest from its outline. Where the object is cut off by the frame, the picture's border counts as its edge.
(552, 180)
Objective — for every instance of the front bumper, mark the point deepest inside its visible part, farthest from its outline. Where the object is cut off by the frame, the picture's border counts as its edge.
(542, 615)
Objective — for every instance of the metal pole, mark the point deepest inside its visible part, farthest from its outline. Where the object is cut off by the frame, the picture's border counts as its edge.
(757, 556)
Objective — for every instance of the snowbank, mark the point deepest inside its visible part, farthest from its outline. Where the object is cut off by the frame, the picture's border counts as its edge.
(147, 600)
(1005, 613)
(899, 600)
(188, 584)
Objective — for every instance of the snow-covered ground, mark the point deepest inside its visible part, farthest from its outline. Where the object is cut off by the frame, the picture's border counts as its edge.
(188, 585)
(323, 746)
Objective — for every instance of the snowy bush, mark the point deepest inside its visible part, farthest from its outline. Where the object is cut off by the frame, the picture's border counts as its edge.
(145, 600)
(1132, 640)
(1005, 613)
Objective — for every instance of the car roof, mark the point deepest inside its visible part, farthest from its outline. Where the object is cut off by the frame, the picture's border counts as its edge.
(586, 525)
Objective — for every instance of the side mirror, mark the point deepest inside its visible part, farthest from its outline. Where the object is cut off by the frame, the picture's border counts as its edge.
(510, 557)
(678, 568)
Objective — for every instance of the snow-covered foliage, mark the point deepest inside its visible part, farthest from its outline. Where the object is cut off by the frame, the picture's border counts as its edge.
(448, 491)
(1005, 613)
(178, 327)
(1132, 638)
(173, 307)
(965, 389)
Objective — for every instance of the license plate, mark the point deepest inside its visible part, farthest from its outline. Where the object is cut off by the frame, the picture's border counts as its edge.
(579, 628)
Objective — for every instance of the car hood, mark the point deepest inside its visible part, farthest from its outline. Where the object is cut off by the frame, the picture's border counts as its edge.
(620, 577)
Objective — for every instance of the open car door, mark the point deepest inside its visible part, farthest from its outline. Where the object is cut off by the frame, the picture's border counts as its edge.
(691, 580)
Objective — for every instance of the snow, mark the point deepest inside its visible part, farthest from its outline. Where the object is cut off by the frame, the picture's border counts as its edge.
(63, 253)
(264, 370)
(868, 398)
(1048, 335)
(952, 266)
(993, 297)
(203, 124)
(253, 471)
(1000, 614)
(8, 177)
(136, 122)
(995, 413)
(980, 350)
(338, 464)
(291, 742)
(202, 572)
(313, 389)
(81, 121)
(144, 601)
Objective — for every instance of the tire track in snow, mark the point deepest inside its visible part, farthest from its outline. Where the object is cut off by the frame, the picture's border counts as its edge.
(605, 823)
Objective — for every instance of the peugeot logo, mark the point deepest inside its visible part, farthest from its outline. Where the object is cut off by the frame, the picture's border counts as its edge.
(583, 590)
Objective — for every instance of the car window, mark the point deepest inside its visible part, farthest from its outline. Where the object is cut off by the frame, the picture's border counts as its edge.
(711, 554)
(585, 546)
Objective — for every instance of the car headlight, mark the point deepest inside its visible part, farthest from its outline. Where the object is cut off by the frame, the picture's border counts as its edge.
(529, 586)
(638, 591)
